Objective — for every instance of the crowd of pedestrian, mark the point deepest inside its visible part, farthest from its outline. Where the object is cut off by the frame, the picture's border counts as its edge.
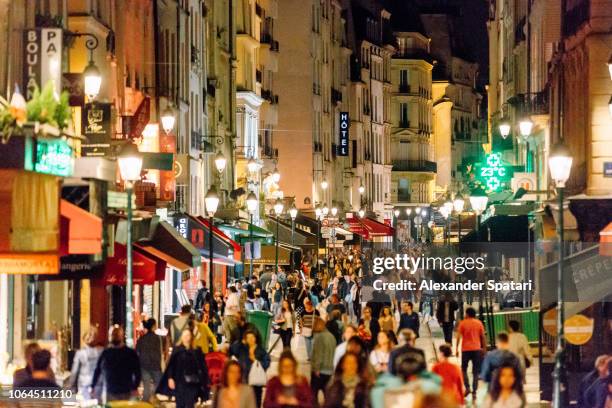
(360, 347)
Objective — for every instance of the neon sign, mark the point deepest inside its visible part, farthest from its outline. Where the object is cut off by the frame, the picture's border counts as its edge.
(53, 156)
(493, 173)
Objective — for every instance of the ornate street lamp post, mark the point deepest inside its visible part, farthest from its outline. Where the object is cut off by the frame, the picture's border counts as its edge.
(251, 203)
(130, 166)
(560, 164)
(278, 210)
(478, 201)
(211, 201)
(458, 204)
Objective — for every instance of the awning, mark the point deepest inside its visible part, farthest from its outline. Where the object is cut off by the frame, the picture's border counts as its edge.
(167, 240)
(268, 256)
(241, 230)
(299, 238)
(81, 231)
(155, 253)
(218, 232)
(218, 260)
(145, 270)
(376, 228)
(605, 246)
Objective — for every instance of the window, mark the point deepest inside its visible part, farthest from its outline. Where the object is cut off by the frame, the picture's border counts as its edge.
(403, 190)
(404, 120)
(404, 81)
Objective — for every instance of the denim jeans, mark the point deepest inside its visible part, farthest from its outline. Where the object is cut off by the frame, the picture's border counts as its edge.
(308, 346)
(150, 381)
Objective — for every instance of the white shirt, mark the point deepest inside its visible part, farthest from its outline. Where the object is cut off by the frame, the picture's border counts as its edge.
(339, 353)
(232, 306)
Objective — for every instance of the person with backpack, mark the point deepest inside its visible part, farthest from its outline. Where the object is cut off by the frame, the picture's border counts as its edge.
(202, 296)
(183, 321)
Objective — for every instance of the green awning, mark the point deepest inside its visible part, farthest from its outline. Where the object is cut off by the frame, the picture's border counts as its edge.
(242, 230)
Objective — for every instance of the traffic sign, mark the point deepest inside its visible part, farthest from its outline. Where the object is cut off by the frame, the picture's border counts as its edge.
(578, 329)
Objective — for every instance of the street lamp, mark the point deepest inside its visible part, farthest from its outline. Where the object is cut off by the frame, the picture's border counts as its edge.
(560, 164)
(276, 175)
(478, 201)
(130, 166)
(525, 126)
(251, 203)
(396, 213)
(168, 119)
(324, 184)
(318, 213)
(417, 210)
(334, 211)
(278, 209)
(458, 204)
(293, 212)
(504, 129)
(211, 202)
(361, 213)
(252, 165)
(325, 210)
(92, 80)
(361, 189)
(220, 162)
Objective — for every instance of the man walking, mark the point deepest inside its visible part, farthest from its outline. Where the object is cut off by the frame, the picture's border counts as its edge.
(445, 314)
(471, 337)
(409, 319)
(150, 350)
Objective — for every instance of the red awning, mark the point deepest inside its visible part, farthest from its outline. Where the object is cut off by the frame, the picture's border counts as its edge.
(376, 228)
(357, 227)
(237, 255)
(81, 231)
(155, 253)
(146, 269)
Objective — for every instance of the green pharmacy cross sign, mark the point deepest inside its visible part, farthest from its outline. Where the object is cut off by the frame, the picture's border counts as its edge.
(53, 156)
(493, 173)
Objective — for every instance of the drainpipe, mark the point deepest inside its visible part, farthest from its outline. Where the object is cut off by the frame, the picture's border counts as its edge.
(232, 93)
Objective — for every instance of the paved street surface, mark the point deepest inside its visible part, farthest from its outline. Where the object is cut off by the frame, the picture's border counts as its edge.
(430, 338)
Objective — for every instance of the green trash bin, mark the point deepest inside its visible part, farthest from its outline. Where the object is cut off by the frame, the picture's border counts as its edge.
(263, 322)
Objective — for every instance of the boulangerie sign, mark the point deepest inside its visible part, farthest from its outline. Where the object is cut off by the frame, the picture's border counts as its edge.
(42, 59)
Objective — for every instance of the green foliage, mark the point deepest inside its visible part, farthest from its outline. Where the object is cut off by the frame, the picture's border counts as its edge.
(45, 108)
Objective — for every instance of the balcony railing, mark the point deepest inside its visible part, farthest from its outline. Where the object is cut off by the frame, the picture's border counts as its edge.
(537, 103)
(404, 124)
(415, 165)
(404, 88)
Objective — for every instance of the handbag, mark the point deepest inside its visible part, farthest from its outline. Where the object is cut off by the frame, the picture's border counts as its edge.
(257, 375)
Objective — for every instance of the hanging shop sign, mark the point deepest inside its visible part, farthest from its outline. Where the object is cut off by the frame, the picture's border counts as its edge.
(96, 127)
(167, 180)
(53, 156)
(343, 130)
(29, 264)
(139, 121)
(42, 59)
(493, 173)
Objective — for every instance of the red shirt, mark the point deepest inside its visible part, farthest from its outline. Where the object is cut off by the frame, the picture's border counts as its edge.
(471, 331)
(452, 379)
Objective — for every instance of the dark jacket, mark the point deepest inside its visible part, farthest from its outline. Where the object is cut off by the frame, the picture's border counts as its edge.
(302, 393)
(410, 321)
(149, 349)
(396, 355)
(452, 308)
(241, 352)
(121, 369)
(495, 359)
(335, 393)
(203, 296)
(185, 362)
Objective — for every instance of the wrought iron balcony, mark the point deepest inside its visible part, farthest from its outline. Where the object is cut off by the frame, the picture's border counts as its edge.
(415, 165)
(336, 96)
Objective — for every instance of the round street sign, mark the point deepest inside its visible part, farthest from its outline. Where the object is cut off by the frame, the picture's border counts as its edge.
(578, 329)
(549, 321)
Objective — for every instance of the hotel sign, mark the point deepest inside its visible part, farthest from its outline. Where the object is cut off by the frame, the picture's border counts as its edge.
(42, 59)
(343, 130)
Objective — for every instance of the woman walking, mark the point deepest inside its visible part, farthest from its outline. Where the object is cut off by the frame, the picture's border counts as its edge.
(506, 389)
(254, 361)
(285, 321)
(379, 357)
(187, 375)
(233, 393)
(350, 386)
(84, 364)
(276, 297)
(287, 389)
